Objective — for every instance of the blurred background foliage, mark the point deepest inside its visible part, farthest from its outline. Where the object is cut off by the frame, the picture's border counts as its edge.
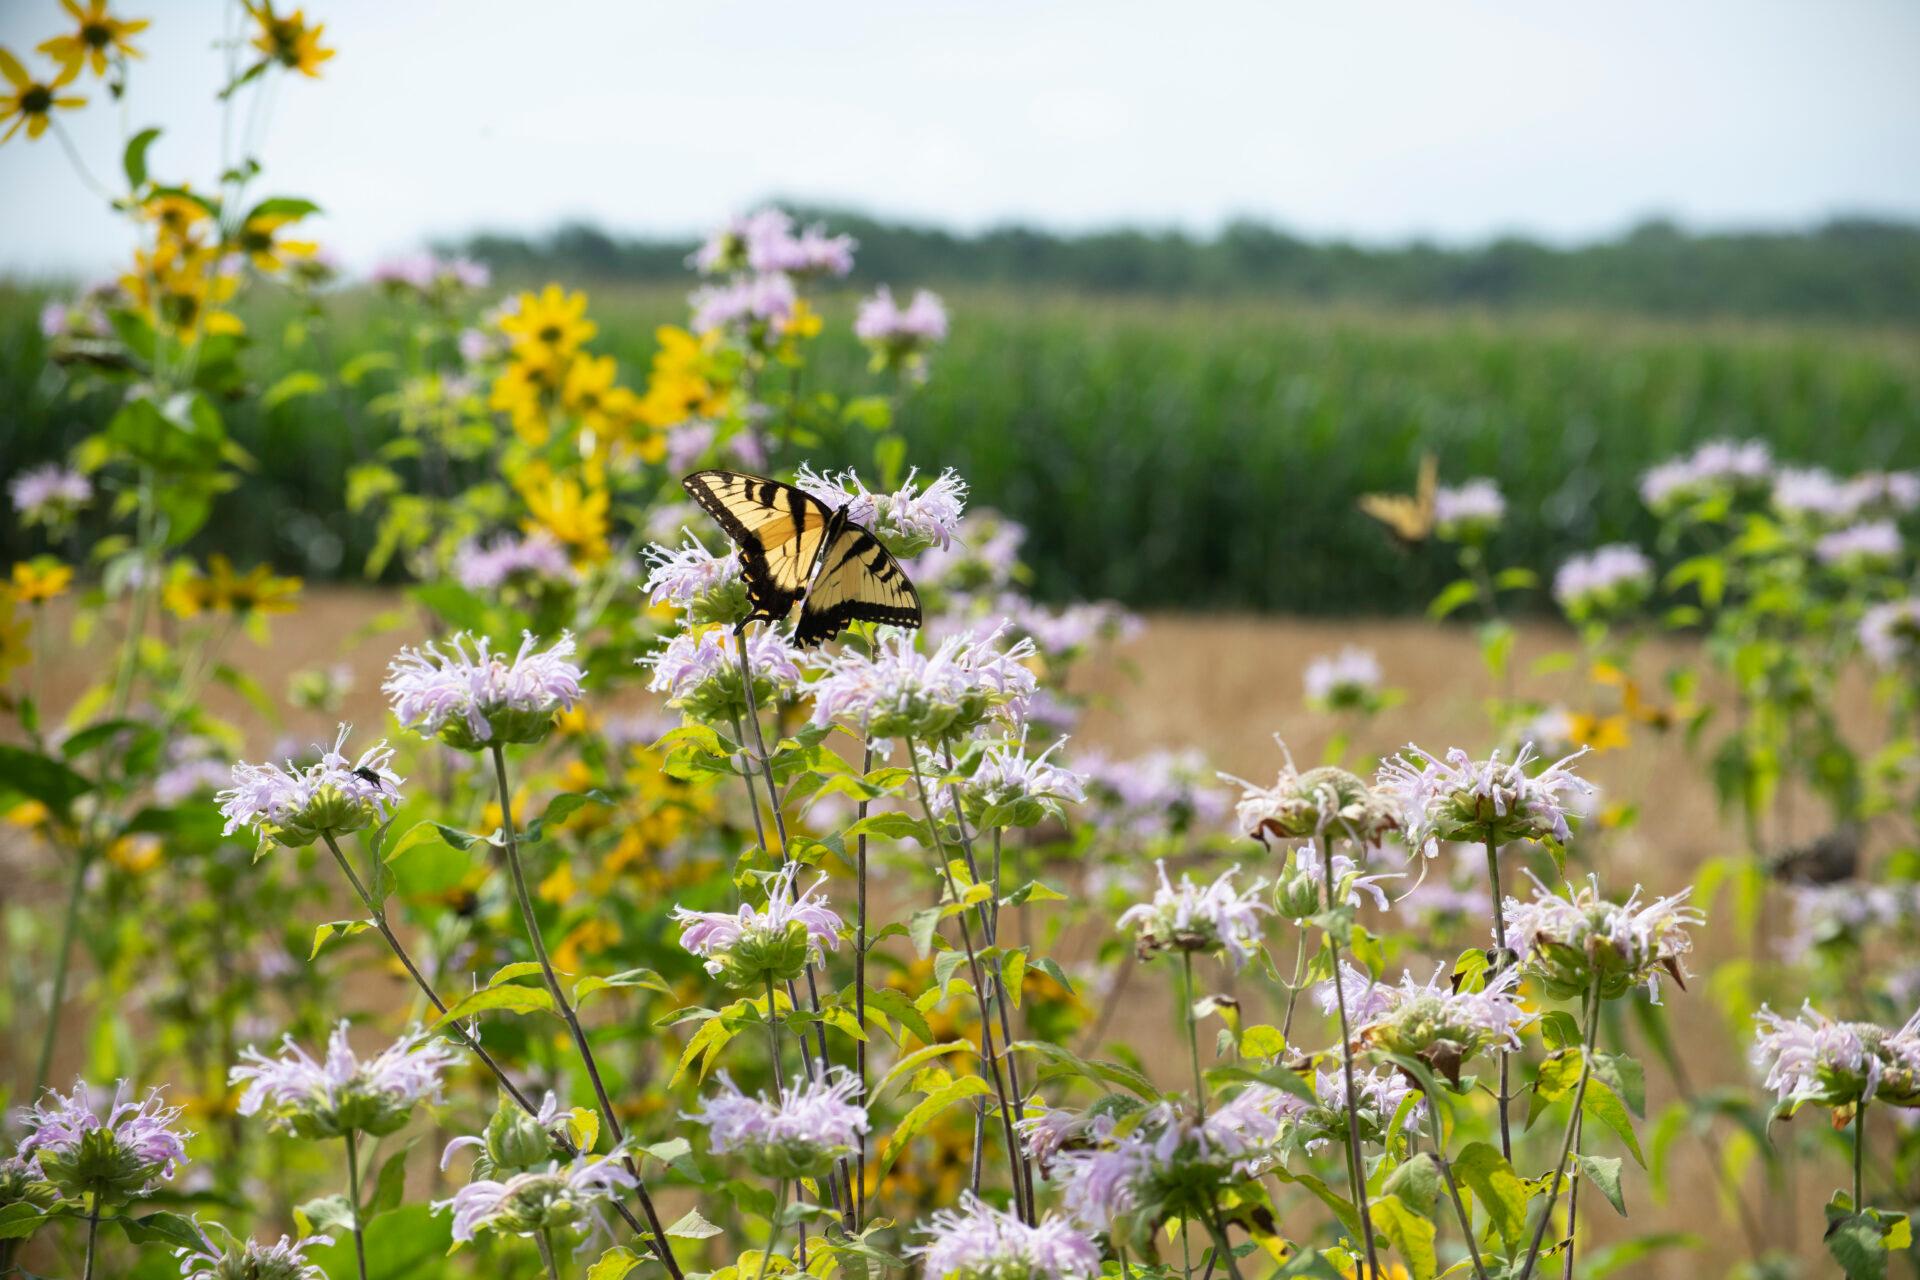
(1184, 423)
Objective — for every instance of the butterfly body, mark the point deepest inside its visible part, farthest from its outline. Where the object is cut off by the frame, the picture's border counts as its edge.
(797, 550)
(1408, 517)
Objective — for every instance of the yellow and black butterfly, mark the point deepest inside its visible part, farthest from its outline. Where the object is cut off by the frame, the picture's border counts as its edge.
(1408, 517)
(794, 547)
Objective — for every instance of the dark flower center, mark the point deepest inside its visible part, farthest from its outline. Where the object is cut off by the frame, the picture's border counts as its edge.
(97, 34)
(35, 100)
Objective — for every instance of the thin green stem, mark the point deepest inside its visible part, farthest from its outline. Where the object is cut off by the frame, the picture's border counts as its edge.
(989, 1053)
(1500, 963)
(545, 1244)
(1438, 1128)
(1859, 1157)
(379, 917)
(1573, 1192)
(1192, 1022)
(93, 1235)
(62, 966)
(1222, 1251)
(773, 1232)
(353, 1201)
(1573, 1123)
(1356, 1167)
(608, 1118)
(773, 1034)
(1293, 988)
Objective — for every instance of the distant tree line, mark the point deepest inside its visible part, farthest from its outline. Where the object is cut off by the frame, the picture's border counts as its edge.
(1857, 268)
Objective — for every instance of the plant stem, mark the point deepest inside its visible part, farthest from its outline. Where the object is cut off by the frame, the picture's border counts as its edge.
(565, 1010)
(1222, 1251)
(1573, 1123)
(353, 1200)
(1356, 1168)
(857, 1187)
(1859, 1157)
(1293, 988)
(93, 1233)
(1438, 1128)
(773, 1232)
(1573, 1192)
(773, 1034)
(379, 916)
(546, 1254)
(1192, 1022)
(62, 965)
(1499, 965)
(988, 1052)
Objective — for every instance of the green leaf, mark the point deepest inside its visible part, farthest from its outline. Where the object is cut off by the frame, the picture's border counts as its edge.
(921, 928)
(1486, 1172)
(693, 1227)
(645, 979)
(959, 1089)
(1604, 1173)
(559, 808)
(1626, 1077)
(162, 1228)
(390, 1186)
(1604, 1105)
(336, 928)
(301, 382)
(1452, 596)
(282, 206)
(37, 777)
(891, 825)
(328, 1215)
(134, 159)
(507, 999)
(912, 1062)
(1410, 1233)
(1603, 1262)
(20, 1220)
(885, 1001)
(407, 1244)
(614, 1264)
(1064, 1063)
(1416, 1183)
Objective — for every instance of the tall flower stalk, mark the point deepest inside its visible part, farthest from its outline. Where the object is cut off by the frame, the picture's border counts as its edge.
(1356, 1167)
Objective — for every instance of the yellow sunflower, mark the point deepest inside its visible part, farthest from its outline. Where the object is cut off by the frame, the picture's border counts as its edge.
(40, 579)
(288, 40)
(32, 102)
(181, 289)
(680, 383)
(574, 513)
(549, 327)
(177, 217)
(100, 37)
(258, 239)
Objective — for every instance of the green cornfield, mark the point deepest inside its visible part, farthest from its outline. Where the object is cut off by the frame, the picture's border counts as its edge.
(1197, 455)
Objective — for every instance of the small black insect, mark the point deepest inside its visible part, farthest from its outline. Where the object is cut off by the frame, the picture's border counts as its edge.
(370, 776)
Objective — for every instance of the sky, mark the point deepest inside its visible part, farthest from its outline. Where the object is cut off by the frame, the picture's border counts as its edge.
(1375, 120)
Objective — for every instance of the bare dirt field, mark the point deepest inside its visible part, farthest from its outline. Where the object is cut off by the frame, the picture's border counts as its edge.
(1227, 685)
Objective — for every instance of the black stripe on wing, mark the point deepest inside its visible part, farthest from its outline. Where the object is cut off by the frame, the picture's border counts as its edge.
(877, 571)
(770, 600)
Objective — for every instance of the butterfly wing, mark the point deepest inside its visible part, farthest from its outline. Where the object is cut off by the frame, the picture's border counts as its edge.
(1409, 518)
(777, 527)
(859, 580)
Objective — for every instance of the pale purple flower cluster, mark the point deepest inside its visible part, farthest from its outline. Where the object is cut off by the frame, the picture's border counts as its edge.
(710, 934)
(692, 660)
(1322, 1119)
(979, 1242)
(1007, 775)
(1305, 864)
(191, 768)
(1216, 916)
(341, 1086)
(432, 689)
(678, 576)
(330, 794)
(1614, 576)
(567, 1195)
(425, 272)
(490, 565)
(1475, 506)
(1877, 543)
(49, 493)
(286, 1259)
(1625, 943)
(1490, 1016)
(1814, 1058)
(1452, 797)
(930, 514)
(145, 1130)
(884, 322)
(1830, 912)
(1171, 1150)
(765, 241)
(1351, 674)
(1071, 628)
(1815, 493)
(1890, 633)
(1155, 795)
(1101, 1184)
(988, 556)
(1715, 466)
(1049, 1132)
(898, 691)
(746, 302)
(810, 1119)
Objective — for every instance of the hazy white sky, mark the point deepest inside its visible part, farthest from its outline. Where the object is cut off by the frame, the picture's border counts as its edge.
(1379, 120)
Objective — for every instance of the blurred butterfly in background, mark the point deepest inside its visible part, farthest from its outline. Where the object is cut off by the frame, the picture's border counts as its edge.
(794, 548)
(1408, 517)
(1826, 859)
